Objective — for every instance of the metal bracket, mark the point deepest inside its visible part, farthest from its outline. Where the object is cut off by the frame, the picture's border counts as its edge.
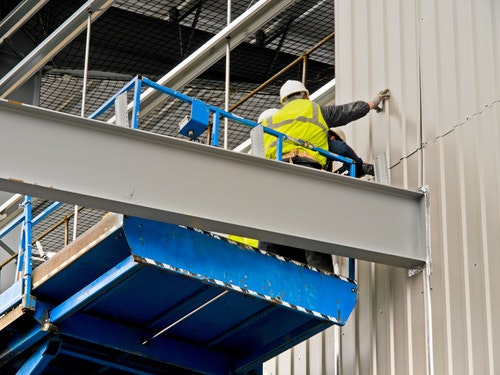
(427, 217)
(381, 170)
(28, 304)
(47, 326)
(414, 271)
(193, 126)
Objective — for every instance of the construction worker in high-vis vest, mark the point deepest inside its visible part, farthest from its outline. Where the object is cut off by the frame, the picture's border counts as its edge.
(299, 118)
(312, 124)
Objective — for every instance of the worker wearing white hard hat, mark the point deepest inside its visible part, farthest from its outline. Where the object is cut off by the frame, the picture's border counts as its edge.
(303, 119)
(294, 93)
(299, 118)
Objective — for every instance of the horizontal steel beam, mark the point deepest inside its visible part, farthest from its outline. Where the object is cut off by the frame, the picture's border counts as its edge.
(94, 290)
(87, 162)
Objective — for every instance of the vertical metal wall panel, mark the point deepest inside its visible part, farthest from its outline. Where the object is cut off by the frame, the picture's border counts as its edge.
(441, 60)
(441, 128)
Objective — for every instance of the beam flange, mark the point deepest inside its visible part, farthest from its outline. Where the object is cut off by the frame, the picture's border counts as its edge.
(171, 180)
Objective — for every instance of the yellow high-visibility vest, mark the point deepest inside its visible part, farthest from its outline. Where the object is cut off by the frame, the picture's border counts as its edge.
(247, 241)
(301, 119)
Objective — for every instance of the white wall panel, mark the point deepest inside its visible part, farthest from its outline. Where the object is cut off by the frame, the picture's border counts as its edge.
(441, 61)
(441, 128)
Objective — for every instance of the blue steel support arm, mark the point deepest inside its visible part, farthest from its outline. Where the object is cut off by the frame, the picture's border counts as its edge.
(137, 103)
(39, 360)
(24, 266)
(215, 129)
(94, 290)
(27, 269)
(80, 299)
(103, 108)
(24, 241)
(43, 215)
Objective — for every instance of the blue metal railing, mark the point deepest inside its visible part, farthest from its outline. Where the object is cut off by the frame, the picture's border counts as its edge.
(23, 274)
(137, 82)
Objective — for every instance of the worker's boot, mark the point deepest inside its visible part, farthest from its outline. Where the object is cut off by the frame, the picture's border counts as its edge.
(368, 169)
(363, 169)
(319, 260)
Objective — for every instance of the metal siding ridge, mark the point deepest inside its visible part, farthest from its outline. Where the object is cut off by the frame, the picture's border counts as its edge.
(171, 180)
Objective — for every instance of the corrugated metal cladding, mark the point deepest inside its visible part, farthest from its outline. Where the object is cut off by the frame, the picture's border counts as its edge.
(441, 128)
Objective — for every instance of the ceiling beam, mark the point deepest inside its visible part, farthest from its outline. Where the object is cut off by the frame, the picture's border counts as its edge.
(212, 51)
(18, 17)
(54, 43)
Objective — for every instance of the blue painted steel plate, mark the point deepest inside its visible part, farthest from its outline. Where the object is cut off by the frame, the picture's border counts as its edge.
(159, 298)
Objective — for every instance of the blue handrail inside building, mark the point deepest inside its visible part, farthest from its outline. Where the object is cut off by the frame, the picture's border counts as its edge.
(200, 115)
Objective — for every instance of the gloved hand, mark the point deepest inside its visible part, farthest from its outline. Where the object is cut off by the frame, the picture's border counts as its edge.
(382, 96)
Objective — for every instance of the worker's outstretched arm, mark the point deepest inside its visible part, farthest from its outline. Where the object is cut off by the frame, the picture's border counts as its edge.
(338, 115)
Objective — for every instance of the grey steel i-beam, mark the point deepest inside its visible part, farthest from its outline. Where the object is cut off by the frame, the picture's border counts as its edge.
(87, 162)
(55, 42)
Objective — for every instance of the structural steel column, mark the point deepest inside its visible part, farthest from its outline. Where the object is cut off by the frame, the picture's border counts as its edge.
(66, 158)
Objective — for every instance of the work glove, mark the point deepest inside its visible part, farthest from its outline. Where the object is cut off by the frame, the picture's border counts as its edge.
(382, 96)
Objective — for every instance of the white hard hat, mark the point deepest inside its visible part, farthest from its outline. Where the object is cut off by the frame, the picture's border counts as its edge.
(267, 113)
(338, 133)
(291, 87)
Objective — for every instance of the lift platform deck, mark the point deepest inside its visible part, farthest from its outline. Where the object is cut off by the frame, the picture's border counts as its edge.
(140, 296)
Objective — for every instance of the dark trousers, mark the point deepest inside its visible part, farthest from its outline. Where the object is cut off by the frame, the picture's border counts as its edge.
(311, 258)
(343, 149)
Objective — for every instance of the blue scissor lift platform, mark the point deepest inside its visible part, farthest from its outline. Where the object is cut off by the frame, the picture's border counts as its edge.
(139, 296)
